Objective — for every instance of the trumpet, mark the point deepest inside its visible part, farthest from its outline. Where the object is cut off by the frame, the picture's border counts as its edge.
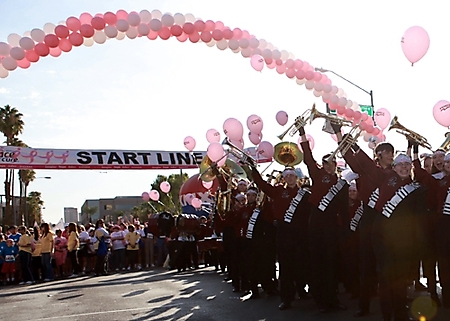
(409, 134)
(309, 116)
(242, 157)
(346, 143)
(446, 144)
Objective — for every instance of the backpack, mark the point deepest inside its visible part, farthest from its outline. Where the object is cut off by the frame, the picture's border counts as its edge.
(102, 247)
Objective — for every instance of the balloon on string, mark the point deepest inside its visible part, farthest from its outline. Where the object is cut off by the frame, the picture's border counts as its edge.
(233, 128)
(222, 160)
(282, 117)
(145, 197)
(254, 138)
(415, 43)
(441, 113)
(154, 195)
(382, 118)
(196, 203)
(257, 62)
(310, 141)
(165, 187)
(207, 185)
(265, 149)
(212, 136)
(215, 151)
(255, 124)
(188, 198)
(189, 143)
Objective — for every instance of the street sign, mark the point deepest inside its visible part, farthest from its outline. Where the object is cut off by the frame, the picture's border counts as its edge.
(367, 109)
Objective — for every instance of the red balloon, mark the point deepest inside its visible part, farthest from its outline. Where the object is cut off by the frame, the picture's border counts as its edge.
(164, 33)
(31, 56)
(98, 23)
(227, 34)
(51, 40)
(210, 25)
(24, 63)
(121, 14)
(152, 35)
(194, 38)
(62, 31)
(199, 25)
(217, 35)
(42, 49)
(87, 31)
(73, 23)
(176, 30)
(237, 33)
(76, 39)
(110, 18)
(206, 36)
(188, 28)
(65, 45)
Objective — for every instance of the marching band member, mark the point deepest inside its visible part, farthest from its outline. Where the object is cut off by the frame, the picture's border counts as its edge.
(288, 200)
(328, 199)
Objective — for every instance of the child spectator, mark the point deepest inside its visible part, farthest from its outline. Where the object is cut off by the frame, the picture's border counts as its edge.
(9, 255)
(132, 239)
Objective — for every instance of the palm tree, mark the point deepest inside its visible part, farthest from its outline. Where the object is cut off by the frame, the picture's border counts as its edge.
(35, 204)
(89, 211)
(11, 125)
(25, 177)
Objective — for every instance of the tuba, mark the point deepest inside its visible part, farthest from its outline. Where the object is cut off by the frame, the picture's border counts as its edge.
(409, 134)
(287, 154)
(446, 144)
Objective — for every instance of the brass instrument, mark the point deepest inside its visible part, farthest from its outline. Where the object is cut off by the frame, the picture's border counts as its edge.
(347, 142)
(310, 115)
(242, 156)
(287, 154)
(409, 134)
(446, 144)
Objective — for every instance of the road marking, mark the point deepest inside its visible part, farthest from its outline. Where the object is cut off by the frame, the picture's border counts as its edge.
(104, 312)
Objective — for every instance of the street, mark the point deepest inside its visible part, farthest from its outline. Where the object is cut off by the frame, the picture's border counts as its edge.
(166, 295)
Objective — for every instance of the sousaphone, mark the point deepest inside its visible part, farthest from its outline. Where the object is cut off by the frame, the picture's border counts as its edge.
(287, 154)
(230, 170)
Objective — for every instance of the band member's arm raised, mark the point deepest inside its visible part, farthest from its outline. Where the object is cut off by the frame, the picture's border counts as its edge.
(307, 154)
(264, 186)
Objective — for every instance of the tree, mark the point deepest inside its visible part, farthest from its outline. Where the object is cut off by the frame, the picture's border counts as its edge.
(11, 125)
(89, 211)
(170, 201)
(35, 204)
(25, 177)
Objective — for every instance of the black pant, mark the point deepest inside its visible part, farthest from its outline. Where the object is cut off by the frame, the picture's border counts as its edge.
(100, 265)
(240, 261)
(73, 257)
(443, 243)
(25, 261)
(36, 267)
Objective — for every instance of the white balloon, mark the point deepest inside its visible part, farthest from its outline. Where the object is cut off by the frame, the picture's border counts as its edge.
(37, 35)
(236, 50)
(262, 44)
(190, 17)
(4, 49)
(143, 29)
(270, 46)
(301, 81)
(88, 42)
(120, 36)
(179, 18)
(3, 72)
(27, 34)
(156, 14)
(276, 54)
(211, 43)
(146, 16)
(167, 20)
(317, 93)
(49, 28)
(355, 106)
(246, 52)
(349, 103)
(222, 44)
(99, 37)
(284, 55)
(111, 31)
(13, 39)
(26, 43)
(309, 84)
(132, 33)
(233, 44)
(9, 63)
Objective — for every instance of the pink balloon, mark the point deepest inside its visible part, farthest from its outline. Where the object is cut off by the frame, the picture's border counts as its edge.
(207, 185)
(188, 198)
(265, 149)
(349, 113)
(233, 128)
(238, 143)
(282, 117)
(441, 113)
(51, 40)
(24, 63)
(73, 23)
(76, 39)
(310, 141)
(154, 195)
(110, 18)
(364, 116)
(415, 43)
(65, 45)
(98, 23)
(87, 31)
(255, 124)
(31, 56)
(196, 203)
(212, 136)
(382, 117)
(254, 138)
(257, 62)
(189, 143)
(165, 187)
(41, 49)
(62, 31)
(215, 151)
(376, 131)
(222, 161)
(145, 197)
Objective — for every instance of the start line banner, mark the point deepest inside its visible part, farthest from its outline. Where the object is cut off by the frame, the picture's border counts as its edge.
(39, 158)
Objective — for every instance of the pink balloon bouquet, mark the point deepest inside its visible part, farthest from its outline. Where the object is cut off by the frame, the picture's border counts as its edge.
(255, 124)
(189, 143)
(233, 128)
(165, 187)
(441, 112)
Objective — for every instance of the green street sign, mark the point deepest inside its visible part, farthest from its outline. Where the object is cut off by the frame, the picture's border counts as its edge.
(367, 109)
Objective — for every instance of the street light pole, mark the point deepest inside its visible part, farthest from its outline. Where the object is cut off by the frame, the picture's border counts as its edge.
(370, 93)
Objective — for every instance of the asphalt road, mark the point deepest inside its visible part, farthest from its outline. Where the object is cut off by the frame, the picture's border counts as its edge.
(166, 295)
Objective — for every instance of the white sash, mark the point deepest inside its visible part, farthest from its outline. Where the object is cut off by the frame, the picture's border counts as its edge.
(446, 209)
(326, 200)
(355, 220)
(374, 198)
(252, 222)
(293, 206)
(398, 197)
(439, 175)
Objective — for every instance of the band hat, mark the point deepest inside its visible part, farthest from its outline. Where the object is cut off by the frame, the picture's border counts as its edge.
(439, 151)
(289, 171)
(252, 191)
(240, 196)
(243, 182)
(353, 186)
(402, 158)
(447, 157)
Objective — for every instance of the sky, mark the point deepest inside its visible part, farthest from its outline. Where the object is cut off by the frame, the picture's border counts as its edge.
(141, 94)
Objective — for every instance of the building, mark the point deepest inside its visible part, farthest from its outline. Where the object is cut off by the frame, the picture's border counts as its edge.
(108, 208)
(71, 214)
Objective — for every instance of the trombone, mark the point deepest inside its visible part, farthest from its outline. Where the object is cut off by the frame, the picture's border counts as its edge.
(346, 143)
(310, 115)
(409, 134)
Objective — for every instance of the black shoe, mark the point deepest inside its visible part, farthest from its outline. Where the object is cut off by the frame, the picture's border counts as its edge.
(284, 306)
(305, 296)
(360, 313)
(338, 306)
(247, 292)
